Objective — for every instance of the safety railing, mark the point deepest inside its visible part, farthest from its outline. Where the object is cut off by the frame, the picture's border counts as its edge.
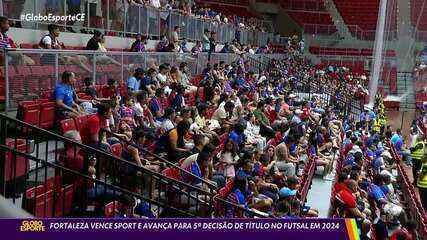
(349, 105)
(320, 29)
(27, 73)
(162, 160)
(417, 212)
(61, 170)
(307, 5)
(52, 176)
(118, 18)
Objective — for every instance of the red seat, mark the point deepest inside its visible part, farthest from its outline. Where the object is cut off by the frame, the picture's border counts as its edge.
(64, 201)
(39, 203)
(171, 173)
(31, 113)
(80, 121)
(84, 96)
(47, 115)
(16, 165)
(112, 208)
(68, 125)
(117, 149)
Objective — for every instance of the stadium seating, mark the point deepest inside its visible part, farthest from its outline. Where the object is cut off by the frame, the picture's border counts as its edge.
(240, 9)
(19, 166)
(47, 115)
(112, 209)
(418, 14)
(347, 51)
(67, 125)
(364, 15)
(43, 198)
(314, 22)
(307, 5)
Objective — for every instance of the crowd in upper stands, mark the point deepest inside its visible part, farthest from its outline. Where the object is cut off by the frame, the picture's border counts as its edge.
(116, 12)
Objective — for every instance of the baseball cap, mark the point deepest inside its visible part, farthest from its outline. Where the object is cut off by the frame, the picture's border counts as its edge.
(287, 192)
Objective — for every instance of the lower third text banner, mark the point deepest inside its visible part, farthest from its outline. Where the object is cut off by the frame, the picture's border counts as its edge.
(170, 229)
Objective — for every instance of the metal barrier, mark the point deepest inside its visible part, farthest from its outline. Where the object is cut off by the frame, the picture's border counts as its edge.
(63, 166)
(416, 210)
(26, 82)
(167, 163)
(63, 178)
(121, 19)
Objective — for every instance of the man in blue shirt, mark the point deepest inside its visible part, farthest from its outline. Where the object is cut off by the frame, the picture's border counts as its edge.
(134, 82)
(397, 141)
(156, 107)
(396, 137)
(64, 98)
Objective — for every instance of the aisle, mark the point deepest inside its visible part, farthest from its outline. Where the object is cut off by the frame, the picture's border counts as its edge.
(319, 195)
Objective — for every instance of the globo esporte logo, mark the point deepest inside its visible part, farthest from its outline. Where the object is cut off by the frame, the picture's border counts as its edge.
(31, 17)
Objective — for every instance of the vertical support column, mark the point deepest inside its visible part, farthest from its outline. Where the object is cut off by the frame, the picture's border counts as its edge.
(3, 135)
(378, 48)
(6, 76)
(94, 67)
(56, 67)
(108, 17)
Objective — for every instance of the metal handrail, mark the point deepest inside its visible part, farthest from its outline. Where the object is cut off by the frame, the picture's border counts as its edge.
(86, 177)
(163, 179)
(100, 152)
(411, 192)
(160, 158)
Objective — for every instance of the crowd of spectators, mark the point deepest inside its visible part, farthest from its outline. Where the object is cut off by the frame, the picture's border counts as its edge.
(247, 133)
(367, 187)
(116, 12)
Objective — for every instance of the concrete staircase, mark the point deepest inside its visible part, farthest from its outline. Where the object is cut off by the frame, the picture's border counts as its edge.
(405, 87)
(339, 23)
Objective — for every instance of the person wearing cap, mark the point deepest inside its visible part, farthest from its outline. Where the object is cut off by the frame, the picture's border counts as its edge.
(134, 82)
(290, 192)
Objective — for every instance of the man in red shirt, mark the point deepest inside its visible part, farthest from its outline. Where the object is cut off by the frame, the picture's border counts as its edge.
(90, 130)
(347, 197)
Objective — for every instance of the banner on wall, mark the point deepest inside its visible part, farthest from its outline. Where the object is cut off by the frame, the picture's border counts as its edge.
(170, 229)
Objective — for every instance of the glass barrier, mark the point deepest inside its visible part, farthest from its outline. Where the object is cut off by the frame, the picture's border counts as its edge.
(33, 73)
(117, 18)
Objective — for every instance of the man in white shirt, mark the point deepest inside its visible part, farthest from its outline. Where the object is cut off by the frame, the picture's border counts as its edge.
(167, 123)
(155, 3)
(162, 75)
